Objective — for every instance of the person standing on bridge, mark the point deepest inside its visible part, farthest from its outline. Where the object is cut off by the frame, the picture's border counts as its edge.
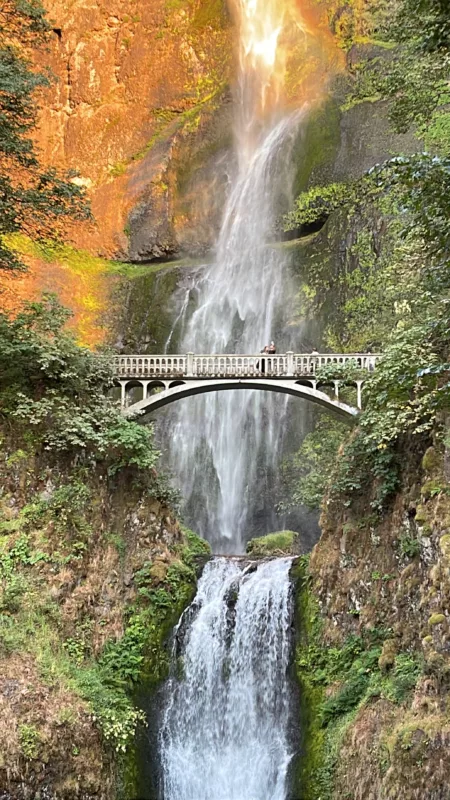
(272, 349)
(314, 359)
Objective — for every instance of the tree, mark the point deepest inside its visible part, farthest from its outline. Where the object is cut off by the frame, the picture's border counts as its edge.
(33, 200)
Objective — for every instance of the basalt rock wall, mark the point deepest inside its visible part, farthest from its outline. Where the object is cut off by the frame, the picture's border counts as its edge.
(137, 89)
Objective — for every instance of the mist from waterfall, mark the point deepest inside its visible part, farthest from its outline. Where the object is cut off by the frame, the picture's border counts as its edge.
(224, 445)
(224, 732)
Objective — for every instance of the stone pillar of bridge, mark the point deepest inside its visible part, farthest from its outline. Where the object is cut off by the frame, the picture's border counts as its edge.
(189, 364)
(123, 393)
(359, 393)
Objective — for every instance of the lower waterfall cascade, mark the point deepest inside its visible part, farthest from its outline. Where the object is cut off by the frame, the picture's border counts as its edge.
(224, 733)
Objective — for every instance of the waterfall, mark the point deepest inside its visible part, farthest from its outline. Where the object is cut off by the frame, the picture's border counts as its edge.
(224, 733)
(225, 445)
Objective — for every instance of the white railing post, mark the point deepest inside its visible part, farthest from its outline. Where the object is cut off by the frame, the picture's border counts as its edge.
(189, 364)
(290, 362)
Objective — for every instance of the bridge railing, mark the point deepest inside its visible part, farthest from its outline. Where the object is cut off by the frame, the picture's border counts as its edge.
(192, 365)
(238, 366)
(149, 366)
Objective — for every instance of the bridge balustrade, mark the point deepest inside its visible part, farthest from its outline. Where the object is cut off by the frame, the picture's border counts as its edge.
(309, 364)
(149, 366)
(238, 366)
(192, 365)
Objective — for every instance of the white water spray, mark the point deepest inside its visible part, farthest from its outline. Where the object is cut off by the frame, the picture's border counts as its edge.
(224, 732)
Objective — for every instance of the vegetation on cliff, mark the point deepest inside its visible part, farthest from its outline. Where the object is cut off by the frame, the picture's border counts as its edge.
(94, 568)
(389, 288)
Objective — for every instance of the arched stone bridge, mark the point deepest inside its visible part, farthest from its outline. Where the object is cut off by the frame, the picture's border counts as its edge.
(165, 379)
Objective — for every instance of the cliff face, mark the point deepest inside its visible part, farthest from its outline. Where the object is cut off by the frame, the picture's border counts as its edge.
(376, 706)
(133, 80)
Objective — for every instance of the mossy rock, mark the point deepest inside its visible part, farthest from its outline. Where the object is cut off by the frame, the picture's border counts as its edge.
(436, 619)
(317, 147)
(388, 654)
(278, 543)
(431, 460)
(431, 489)
(158, 571)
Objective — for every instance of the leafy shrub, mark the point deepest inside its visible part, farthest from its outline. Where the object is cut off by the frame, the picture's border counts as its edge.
(409, 546)
(407, 670)
(346, 698)
(305, 475)
(30, 740)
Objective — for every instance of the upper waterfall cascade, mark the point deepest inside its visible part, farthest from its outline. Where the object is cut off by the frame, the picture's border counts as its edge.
(236, 302)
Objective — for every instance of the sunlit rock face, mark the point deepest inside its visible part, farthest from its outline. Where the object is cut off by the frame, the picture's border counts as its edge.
(138, 87)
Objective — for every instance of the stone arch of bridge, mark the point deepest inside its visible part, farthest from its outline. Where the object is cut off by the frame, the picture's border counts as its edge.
(178, 390)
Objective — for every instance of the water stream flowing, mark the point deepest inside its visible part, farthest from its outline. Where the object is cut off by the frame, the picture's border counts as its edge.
(224, 734)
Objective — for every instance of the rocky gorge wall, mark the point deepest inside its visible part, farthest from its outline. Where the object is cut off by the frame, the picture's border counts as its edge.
(373, 656)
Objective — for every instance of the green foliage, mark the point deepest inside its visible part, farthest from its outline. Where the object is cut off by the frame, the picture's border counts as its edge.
(316, 204)
(196, 547)
(407, 671)
(306, 475)
(416, 78)
(390, 293)
(344, 373)
(60, 392)
(54, 403)
(347, 698)
(409, 546)
(337, 681)
(33, 200)
(138, 657)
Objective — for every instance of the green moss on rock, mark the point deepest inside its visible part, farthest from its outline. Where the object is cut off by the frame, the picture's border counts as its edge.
(431, 460)
(286, 542)
(317, 148)
(308, 626)
(436, 619)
